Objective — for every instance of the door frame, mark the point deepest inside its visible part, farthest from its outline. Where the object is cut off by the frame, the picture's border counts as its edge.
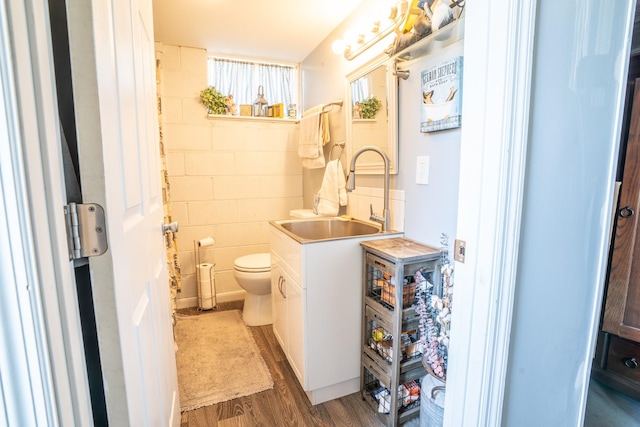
(497, 78)
(492, 171)
(44, 374)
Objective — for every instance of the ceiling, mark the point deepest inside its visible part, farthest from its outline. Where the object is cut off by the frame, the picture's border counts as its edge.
(281, 30)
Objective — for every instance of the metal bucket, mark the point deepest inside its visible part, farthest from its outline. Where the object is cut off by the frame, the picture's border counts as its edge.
(431, 402)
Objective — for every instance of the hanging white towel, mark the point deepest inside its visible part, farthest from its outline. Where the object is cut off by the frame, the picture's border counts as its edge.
(314, 134)
(333, 192)
(309, 135)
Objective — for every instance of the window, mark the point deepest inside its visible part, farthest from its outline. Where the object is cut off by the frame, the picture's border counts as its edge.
(360, 89)
(241, 78)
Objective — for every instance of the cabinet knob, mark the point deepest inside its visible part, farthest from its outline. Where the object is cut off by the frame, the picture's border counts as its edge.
(626, 212)
(630, 362)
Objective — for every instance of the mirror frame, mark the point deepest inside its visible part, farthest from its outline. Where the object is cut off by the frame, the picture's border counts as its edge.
(376, 167)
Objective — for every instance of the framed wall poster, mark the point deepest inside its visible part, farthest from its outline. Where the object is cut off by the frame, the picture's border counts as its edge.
(441, 96)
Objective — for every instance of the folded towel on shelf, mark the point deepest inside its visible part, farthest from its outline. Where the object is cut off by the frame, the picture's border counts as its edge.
(333, 192)
(314, 134)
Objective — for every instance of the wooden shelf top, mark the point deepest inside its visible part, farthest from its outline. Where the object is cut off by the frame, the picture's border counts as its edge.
(401, 248)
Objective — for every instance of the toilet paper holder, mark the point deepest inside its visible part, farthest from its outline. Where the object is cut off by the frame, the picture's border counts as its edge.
(206, 286)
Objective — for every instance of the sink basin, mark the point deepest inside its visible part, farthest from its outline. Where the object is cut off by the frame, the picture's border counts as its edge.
(325, 229)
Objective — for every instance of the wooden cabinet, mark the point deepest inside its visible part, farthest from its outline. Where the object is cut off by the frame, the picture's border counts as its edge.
(391, 350)
(623, 358)
(618, 348)
(622, 306)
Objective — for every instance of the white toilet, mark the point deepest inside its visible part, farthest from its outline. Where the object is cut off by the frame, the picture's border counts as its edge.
(304, 214)
(253, 274)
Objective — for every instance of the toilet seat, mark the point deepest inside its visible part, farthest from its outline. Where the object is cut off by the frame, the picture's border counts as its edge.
(254, 263)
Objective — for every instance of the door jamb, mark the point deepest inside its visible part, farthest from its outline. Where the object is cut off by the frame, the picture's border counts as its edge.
(46, 307)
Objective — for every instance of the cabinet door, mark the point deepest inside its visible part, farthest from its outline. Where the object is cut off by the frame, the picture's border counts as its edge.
(278, 302)
(622, 308)
(295, 320)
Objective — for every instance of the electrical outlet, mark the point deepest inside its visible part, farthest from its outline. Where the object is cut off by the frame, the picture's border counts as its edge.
(459, 250)
(422, 170)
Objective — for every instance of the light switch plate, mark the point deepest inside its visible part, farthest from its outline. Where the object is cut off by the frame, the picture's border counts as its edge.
(422, 170)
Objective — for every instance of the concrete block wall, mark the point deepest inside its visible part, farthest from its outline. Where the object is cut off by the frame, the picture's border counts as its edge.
(228, 176)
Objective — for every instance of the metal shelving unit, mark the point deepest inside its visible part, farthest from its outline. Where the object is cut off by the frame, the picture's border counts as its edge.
(390, 363)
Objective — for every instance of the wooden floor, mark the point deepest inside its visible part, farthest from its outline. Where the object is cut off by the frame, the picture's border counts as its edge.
(286, 404)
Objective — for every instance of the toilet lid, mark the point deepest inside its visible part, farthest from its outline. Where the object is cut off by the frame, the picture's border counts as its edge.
(253, 263)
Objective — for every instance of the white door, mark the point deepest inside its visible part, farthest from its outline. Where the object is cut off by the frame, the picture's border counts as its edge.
(113, 69)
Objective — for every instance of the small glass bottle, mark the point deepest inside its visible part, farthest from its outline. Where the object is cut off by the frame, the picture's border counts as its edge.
(292, 111)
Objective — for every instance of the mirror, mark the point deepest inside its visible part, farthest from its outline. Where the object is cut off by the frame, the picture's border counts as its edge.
(372, 80)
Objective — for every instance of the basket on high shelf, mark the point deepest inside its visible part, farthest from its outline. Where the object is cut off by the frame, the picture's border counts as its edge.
(389, 293)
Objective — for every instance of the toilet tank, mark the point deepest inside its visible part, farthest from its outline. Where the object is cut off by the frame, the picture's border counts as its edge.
(304, 214)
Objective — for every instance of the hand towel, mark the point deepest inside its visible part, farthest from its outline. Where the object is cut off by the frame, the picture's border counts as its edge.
(324, 126)
(310, 141)
(309, 135)
(314, 134)
(333, 192)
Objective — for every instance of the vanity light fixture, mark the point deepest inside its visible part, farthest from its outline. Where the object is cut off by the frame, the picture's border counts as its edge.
(355, 42)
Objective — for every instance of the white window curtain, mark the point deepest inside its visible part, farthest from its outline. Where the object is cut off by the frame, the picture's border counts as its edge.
(232, 78)
(277, 81)
(242, 79)
(360, 90)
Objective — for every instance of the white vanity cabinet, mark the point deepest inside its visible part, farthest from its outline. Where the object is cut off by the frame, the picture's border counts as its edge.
(317, 304)
(287, 299)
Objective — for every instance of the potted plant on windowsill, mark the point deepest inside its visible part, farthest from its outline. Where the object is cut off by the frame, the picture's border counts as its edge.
(213, 100)
(370, 107)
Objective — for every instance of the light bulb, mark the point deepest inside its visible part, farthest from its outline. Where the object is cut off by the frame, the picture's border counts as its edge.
(338, 47)
(385, 10)
(351, 37)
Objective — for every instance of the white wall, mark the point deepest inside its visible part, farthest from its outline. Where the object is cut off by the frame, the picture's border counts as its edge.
(228, 176)
(432, 209)
(429, 210)
(324, 79)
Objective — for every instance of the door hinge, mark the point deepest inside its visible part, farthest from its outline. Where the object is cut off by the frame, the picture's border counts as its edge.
(86, 232)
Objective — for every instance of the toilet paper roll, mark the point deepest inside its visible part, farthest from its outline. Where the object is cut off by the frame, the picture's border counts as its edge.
(206, 287)
(204, 269)
(206, 241)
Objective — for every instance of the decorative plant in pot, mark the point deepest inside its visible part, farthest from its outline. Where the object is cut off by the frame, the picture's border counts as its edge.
(213, 100)
(370, 107)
